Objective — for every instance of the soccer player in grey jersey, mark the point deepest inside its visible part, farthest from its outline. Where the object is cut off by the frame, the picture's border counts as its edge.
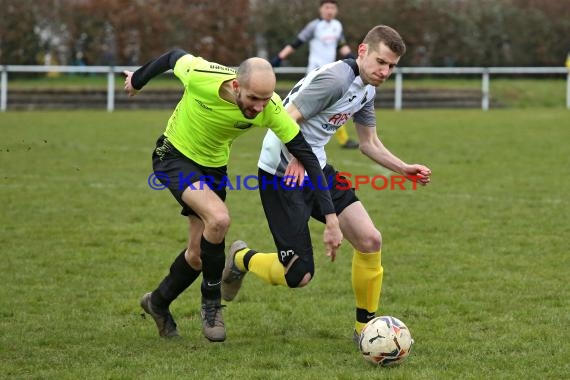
(321, 102)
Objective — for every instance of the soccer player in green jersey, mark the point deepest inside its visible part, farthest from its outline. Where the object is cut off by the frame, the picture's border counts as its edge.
(218, 105)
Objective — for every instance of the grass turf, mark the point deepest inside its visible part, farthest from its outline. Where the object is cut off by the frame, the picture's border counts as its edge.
(476, 264)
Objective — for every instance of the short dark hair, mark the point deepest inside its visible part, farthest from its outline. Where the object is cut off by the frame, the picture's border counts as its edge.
(329, 1)
(383, 33)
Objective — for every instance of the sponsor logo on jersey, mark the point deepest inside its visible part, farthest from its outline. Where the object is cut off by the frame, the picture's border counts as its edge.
(329, 127)
(242, 125)
(339, 118)
(213, 66)
(203, 105)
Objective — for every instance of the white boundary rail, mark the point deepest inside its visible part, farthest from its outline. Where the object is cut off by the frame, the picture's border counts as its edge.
(111, 71)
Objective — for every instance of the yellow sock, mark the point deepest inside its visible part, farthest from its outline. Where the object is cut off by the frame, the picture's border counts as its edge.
(367, 275)
(267, 267)
(359, 326)
(341, 135)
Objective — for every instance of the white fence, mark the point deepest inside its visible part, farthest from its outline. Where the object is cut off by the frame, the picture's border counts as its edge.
(111, 71)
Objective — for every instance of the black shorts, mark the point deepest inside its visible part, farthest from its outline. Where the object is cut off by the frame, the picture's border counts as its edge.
(178, 172)
(288, 211)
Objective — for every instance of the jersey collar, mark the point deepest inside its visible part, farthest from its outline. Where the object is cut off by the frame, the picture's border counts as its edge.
(352, 63)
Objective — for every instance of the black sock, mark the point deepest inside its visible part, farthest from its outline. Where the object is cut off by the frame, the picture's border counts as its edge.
(181, 276)
(363, 315)
(213, 260)
(247, 257)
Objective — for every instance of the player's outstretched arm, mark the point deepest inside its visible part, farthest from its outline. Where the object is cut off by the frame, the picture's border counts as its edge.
(371, 146)
(418, 173)
(283, 54)
(128, 83)
(135, 81)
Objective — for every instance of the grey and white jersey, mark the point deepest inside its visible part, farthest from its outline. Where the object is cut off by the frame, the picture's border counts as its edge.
(324, 38)
(326, 98)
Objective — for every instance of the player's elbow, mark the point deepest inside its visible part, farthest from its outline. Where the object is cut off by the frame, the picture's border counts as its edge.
(366, 147)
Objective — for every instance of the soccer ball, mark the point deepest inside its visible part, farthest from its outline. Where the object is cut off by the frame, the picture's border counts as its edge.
(385, 341)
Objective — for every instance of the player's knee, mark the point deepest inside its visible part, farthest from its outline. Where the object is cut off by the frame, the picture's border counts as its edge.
(370, 242)
(305, 281)
(299, 280)
(300, 273)
(219, 223)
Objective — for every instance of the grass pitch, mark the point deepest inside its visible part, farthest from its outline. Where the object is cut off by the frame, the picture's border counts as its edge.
(476, 264)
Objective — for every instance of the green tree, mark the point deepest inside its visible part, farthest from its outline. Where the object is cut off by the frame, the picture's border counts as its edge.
(19, 44)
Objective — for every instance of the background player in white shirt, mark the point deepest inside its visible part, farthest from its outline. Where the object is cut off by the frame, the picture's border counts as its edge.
(325, 36)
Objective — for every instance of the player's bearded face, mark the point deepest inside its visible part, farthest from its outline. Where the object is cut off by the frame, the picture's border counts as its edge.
(248, 107)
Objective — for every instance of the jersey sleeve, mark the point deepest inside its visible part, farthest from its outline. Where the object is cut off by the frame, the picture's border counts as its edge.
(322, 92)
(342, 40)
(308, 31)
(279, 121)
(366, 116)
(155, 67)
(299, 148)
(184, 67)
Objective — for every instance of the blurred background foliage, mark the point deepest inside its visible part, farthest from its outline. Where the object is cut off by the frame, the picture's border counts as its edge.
(129, 32)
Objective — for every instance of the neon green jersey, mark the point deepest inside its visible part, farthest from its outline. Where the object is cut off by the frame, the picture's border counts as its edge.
(203, 125)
